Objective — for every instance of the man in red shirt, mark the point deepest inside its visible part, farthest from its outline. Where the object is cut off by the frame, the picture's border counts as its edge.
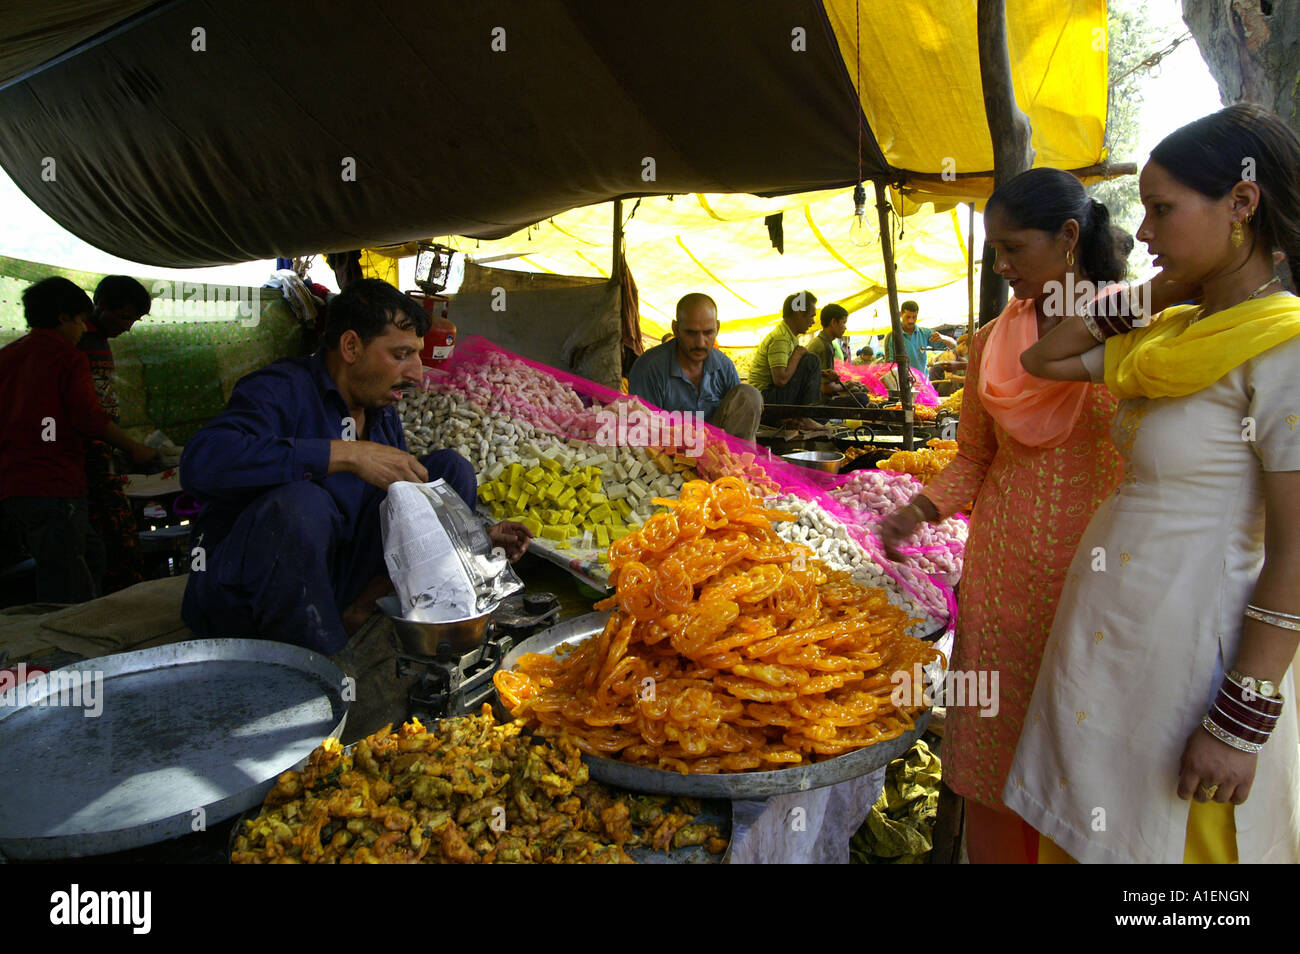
(48, 409)
(120, 301)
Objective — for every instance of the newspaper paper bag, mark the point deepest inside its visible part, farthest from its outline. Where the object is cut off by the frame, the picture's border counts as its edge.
(439, 557)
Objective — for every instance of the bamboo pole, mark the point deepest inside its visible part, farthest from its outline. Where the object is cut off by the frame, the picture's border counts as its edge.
(891, 283)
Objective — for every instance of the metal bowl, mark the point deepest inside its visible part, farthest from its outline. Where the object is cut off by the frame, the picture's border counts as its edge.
(423, 638)
(828, 461)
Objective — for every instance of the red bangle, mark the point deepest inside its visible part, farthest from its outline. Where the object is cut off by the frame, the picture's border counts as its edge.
(1245, 714)
(1258, 703)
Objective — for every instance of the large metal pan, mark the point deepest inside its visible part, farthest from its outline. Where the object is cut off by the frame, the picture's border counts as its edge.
(188, 735)
(734, 785)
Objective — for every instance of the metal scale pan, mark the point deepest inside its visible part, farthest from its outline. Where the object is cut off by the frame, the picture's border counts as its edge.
(733, 785)
(188, 733)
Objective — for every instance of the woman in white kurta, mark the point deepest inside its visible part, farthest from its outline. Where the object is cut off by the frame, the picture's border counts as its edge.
(1152, 614)
(1151, 609)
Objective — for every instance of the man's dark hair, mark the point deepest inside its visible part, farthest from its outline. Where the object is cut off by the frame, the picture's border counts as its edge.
(909, 305)
(49, 298)
(368, 306)
(116, 291)
(832, 314)
(809, 304)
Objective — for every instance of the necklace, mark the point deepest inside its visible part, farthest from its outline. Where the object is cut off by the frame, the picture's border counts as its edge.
(1201, 312)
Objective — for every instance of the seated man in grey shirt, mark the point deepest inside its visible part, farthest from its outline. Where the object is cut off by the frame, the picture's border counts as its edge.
(689, 373)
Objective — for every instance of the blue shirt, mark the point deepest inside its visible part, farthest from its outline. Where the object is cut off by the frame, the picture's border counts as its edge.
(658, 378)
(916, 345)
(277, 430)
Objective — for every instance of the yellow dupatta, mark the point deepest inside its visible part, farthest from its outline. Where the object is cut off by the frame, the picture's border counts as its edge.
(1172, 357)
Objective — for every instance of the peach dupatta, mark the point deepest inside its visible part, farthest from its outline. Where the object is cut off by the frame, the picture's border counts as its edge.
(1035, 411)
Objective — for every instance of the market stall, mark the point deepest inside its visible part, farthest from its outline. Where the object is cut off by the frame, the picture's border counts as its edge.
(815, 620)
(534, 435)
(581, 465)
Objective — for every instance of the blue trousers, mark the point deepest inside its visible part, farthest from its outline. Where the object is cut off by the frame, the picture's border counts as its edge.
(293, 561)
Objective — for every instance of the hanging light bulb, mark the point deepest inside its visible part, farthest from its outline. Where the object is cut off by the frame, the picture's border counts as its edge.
(859, 233)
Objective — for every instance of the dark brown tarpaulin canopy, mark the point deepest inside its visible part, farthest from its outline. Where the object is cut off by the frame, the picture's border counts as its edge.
(174, 156)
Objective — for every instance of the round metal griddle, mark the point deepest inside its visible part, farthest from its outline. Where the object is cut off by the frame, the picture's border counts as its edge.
(188, 733)
(733, 785)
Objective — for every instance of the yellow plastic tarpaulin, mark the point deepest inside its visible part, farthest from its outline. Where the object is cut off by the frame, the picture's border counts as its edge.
(720, 245)
(920, 84)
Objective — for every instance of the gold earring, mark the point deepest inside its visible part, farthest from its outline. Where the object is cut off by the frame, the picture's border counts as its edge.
(1069, 258)
(1238, 235)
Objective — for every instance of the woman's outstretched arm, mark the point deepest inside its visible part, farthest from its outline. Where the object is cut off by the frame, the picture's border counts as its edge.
(1056, 356)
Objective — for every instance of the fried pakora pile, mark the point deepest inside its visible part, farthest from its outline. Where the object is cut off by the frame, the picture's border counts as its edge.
(470, 791)
(728, 649)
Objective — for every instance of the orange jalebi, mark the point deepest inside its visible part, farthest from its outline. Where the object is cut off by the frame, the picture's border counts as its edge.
(727, 649)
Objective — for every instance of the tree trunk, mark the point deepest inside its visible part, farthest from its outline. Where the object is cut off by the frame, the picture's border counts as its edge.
(1252, 48)
(1008, 127)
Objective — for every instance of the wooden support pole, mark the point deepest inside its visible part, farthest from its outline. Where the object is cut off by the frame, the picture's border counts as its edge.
(891, 283)
(1105, 170)
(616, 269)
(1009, 130)
(970, 274)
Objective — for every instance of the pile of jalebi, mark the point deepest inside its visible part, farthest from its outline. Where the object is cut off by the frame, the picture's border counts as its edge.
(728, 649)
(920, 412)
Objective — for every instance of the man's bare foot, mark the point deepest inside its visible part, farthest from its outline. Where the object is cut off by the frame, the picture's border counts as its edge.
(355, 616)
(363, 607)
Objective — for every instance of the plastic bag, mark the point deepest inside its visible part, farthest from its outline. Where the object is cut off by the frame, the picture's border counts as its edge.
(439, 557)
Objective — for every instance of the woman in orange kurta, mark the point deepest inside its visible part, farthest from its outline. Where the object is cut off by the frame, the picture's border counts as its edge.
(1037, 459)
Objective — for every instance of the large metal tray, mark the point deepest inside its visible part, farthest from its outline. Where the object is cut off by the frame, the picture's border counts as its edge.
(190, 733)
(734, 785)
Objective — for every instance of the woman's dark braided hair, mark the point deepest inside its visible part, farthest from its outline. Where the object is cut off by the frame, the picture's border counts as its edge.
(1045, 199)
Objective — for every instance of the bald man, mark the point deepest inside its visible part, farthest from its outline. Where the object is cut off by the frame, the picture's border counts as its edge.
(689, 373)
